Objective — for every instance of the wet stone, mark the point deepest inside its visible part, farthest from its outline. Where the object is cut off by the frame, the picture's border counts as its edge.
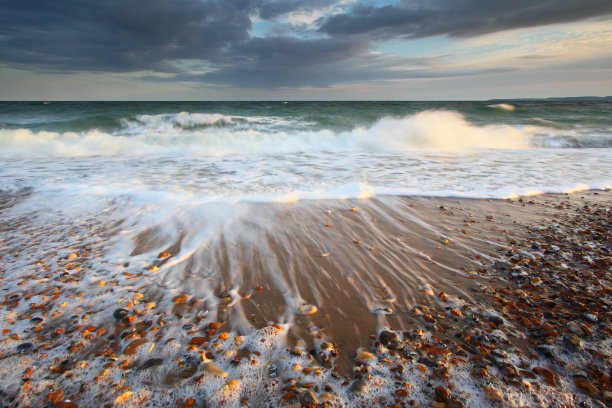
(76, 346)
(546, 351)
(499, 356)
(573, 340)
(120, 314)
(501, 266)
(442, 394)
(212, 369)
(360, 387)
(493, 394)
(152, 362)
(454, 404)
(428, 362)
(307, 309)
(272, 370)
(296, 351)
(498, 321)
(364, 356)
(574, 327)
(131, 348)
(391, 340)
(25, 347)
(307, 398)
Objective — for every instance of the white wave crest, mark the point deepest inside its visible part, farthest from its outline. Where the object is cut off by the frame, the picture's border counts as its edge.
(505, 107)
(186, 121)
(197, 135)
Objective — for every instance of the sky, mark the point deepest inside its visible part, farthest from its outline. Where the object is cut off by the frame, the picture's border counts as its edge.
(304, 49)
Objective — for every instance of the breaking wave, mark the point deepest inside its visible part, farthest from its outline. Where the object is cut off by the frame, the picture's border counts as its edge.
(221, 135)
(505, 107)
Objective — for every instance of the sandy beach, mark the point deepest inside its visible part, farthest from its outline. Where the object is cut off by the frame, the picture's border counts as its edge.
(388, 301)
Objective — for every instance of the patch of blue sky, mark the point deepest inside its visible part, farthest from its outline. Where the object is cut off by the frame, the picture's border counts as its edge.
(261, 28)
(417, 48)
(377, 3)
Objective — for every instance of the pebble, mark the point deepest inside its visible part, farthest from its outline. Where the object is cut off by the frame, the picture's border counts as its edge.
(391, 340)
(363, 355)
(573, 340)
(131, 348)
(574, 327)
(152, 362)
(586, 385)
(212, 369)
(325, 396)
(498, 321)
(501, 266)
(546, 351)
(123, 397)
(442, 394)
(307, 397)
(24, 347)
(296, 351)
(493, 394)
(120, 314)
(307, 309)
(180, 298)
(360, 387)
(232, 385)
(272, 370)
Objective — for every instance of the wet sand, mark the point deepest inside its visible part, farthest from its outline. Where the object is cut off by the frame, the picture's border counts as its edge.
(403, 301)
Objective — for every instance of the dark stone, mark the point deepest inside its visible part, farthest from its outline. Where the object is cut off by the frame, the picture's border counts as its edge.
(546, 351)
(391, 340)
(454, 404)
(307, 398)
(120, 314)
(25, 347)
(442, 394)
(501, 266)
(152, 362)
(428, 362)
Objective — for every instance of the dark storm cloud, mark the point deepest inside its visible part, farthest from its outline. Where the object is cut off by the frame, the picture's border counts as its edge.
(279, 62)
(461, 18)
(117, 35)
(155, 35)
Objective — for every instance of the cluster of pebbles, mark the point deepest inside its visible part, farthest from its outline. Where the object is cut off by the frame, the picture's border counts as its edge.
(542, 338)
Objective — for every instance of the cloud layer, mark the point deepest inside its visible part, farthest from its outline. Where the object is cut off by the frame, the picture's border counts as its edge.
(163, 38)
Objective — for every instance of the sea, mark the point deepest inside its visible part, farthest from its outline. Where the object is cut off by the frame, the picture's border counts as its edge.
(282, 151)
(258, 213)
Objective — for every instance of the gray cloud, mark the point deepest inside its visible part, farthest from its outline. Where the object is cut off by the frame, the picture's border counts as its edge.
(460, 18)
(117, 35)
(153, 35)
(271, 9)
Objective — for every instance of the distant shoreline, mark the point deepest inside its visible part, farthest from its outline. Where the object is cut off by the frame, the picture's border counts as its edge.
(550, 99)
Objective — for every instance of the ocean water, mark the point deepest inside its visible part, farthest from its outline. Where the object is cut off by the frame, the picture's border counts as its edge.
(275, 151)
(226, 187)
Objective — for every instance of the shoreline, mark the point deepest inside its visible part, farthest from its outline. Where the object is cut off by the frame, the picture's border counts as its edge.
(450, 289)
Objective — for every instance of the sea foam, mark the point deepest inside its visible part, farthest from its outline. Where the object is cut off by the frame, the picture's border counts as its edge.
(219, 135)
